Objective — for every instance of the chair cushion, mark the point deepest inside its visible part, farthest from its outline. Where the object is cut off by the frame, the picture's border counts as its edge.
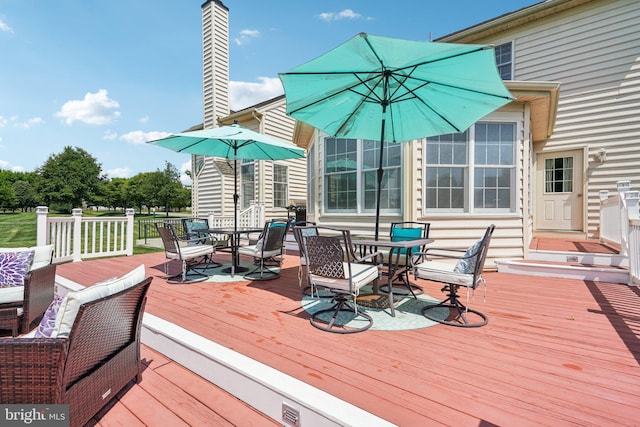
(41, 257)
(363, 274)
(12, 294)
(72, 301)
(256, 251)
(48, 322)
(193, 251)
(399, 234)
(442, 272)
(13, 267)
(468, 265)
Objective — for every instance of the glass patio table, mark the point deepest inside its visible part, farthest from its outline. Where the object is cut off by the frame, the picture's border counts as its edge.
(234, 238)
(395, 267)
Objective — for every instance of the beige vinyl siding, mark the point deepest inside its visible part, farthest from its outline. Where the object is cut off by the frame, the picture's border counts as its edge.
(594, 52)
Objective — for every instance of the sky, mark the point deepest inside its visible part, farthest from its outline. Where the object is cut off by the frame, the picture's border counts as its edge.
(108, 75)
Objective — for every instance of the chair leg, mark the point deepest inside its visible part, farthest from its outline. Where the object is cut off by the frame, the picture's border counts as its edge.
(461, 315)
(262, 272)
(335, 325)
(190, 266)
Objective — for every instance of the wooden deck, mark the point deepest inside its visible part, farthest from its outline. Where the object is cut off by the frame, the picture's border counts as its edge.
(555, 352)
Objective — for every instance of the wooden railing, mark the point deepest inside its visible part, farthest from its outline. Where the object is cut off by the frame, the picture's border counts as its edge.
(620, 224)
(76, 238)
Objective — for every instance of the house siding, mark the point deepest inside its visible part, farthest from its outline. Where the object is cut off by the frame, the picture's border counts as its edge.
(593, 50)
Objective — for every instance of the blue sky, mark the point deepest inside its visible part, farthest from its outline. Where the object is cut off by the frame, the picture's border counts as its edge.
(108, 75)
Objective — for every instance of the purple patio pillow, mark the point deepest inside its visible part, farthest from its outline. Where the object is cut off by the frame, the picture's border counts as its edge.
(13, 267)
(48, 322)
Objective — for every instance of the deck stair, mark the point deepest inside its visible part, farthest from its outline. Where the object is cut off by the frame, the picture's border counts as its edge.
(570, 259)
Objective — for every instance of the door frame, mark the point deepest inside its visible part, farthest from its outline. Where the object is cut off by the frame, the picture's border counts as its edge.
(538, 187)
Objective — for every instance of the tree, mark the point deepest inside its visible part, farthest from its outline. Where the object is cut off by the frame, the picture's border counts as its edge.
(115, 193)
(70, 179)
(25, 195)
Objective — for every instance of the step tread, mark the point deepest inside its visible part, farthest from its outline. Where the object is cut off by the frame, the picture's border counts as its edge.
(563, 264)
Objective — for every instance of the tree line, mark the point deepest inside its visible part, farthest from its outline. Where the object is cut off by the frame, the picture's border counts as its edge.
(74, 178)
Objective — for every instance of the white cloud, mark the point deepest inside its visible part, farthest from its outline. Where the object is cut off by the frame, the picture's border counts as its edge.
(34, 121)
(119, 173)
(144, 119)
(184, 178)
(4, 27)
(246, 36)
(95, 109)
(4, 165)
(245, 94)
(140, 137)
(3, 121)
(110, 135)
(337, 16)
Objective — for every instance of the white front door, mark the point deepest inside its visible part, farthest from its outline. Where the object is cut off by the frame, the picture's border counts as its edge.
(559, 204)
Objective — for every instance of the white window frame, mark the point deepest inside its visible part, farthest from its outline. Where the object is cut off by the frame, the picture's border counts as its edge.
(244, 201)
(284, 184)
(507, 63)
(470, 167)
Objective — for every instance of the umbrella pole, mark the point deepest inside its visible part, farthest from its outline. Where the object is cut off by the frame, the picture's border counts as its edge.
(235, 215)
(380, 170)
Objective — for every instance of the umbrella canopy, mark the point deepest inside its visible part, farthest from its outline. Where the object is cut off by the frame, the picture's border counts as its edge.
(393, 90)
(231, 142)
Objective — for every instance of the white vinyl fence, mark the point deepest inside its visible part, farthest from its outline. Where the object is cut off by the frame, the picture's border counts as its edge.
(76, 238)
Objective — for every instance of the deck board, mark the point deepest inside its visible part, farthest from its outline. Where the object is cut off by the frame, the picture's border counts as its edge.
(555, 351)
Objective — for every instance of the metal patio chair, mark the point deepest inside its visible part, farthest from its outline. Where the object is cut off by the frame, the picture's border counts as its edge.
(267, 250)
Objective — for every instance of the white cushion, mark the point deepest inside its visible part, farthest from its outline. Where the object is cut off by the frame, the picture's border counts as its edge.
(74, 299)
(255, 251)
(11, 294)
(190, 252)
(442, 272)
(41, 254)
(363, 274)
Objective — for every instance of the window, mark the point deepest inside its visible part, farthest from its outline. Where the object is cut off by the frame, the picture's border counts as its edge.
(558, 175)
(472, 171)
(350, 176)
(504, 60)
(248, 189)
(198, 161)
(280, 186)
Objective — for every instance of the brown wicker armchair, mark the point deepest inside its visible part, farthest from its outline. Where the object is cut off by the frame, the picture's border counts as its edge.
(85, 370)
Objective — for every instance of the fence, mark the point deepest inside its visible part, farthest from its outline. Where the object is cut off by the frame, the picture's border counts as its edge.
(620, 223)
(76, 238)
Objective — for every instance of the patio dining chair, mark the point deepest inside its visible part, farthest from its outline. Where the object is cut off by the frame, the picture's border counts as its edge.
(401, 231)
(300, 233)
(194, 256)
(466, 272)
(332, 265)
(267, 250)
(197, 228)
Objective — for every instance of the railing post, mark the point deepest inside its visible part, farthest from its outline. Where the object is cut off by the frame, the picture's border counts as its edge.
(130, 230)
(77, 234)
(632, 199)
(623, 187)
(41, 225)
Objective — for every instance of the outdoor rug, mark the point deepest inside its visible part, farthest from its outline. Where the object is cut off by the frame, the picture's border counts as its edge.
(408, 312)
(217, 275)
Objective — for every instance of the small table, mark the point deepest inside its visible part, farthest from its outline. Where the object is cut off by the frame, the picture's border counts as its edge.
(395, 267)
(234, 238)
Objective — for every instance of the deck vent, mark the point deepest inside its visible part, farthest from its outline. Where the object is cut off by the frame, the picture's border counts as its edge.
(572, 258)
(290, 415)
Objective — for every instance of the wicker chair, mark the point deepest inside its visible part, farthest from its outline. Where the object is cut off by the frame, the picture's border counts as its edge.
(333, 265)
(37, 293)
(467, 272)
(85, 370)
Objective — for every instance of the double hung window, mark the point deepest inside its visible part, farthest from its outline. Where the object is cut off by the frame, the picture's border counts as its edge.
(350, 176)
(474, 171)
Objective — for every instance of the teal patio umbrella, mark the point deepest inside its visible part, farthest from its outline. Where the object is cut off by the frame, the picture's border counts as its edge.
(231, 142)
(393, 90)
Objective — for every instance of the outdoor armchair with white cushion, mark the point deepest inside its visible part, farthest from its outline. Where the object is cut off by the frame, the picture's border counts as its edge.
(197, 228)
(194, 255)
(466, 272)
(333, 265)
(299, 233)
(27, 281)
(268, 248)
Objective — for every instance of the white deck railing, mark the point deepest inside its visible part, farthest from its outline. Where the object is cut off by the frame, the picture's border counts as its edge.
(620, 224)
(251, 217)
(76, 238)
